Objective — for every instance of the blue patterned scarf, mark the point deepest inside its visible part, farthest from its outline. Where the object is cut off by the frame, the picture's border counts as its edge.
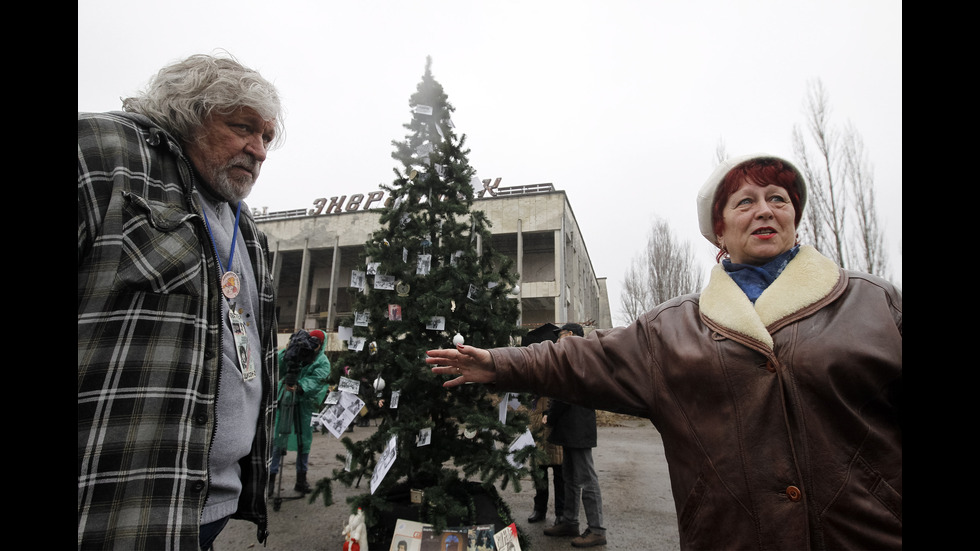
(753, 280)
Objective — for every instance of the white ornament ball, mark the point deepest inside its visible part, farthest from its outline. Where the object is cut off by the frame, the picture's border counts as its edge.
(458, 339)
(379, 384)
(516, 290)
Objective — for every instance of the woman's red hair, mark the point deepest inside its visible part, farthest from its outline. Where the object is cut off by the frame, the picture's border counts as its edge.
(761, 172)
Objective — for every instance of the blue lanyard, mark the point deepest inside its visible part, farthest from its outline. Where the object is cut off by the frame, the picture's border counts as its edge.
(234, 237)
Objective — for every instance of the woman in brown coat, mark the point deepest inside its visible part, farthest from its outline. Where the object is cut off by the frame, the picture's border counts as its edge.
(777, 389)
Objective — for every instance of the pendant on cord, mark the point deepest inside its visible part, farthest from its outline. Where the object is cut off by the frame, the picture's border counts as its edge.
(230, 284)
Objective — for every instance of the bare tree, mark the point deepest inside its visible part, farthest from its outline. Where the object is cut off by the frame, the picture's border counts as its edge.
(665, 269)
(721, 152)
(635, 296)
(868, 253)
(842, 218)
(811, 226)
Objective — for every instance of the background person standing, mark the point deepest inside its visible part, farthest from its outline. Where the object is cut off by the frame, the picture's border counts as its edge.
(574, 428)
(553, 460)
(305, 369)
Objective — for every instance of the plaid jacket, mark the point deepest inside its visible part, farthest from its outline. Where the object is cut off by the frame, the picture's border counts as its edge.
(149, 348)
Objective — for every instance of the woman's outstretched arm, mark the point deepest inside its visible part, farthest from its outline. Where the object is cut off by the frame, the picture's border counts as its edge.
(469, 364)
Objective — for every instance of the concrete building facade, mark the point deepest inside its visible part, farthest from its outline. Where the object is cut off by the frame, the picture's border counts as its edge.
(315, 250)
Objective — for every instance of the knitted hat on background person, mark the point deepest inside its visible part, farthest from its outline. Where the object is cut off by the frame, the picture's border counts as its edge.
(706, 196)
(318, 335)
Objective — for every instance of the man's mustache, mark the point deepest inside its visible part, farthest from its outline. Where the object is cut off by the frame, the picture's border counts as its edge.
(246, 162)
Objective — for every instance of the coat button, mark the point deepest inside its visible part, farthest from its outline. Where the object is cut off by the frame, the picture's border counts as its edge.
(794, 493)
(770, 366)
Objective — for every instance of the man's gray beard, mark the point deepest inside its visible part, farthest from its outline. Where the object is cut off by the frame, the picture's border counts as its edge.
(229, 190)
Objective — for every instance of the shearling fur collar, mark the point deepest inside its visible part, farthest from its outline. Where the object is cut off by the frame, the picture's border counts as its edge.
(806, 279)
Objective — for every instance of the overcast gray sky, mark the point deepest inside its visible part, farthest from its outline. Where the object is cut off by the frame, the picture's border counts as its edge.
(620, 103)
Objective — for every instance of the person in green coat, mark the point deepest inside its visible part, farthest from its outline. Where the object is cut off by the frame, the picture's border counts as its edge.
(303, 387)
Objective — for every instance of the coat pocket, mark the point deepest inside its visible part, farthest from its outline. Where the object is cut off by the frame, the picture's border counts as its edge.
(711, 518)
(160, 250)
(866, 514)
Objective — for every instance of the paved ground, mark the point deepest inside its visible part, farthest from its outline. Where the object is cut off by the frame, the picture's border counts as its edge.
(637, 502)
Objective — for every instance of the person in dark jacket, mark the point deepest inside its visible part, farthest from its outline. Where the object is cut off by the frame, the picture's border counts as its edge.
(777, 389)
(574, 429)
(553, 460)
(176, 310)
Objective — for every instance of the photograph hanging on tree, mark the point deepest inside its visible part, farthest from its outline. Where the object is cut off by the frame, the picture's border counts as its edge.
(436, 323)
(384, 282)
(361, 319)
(424, 265)
(357, 279)
(425, 437)
(385, 462)
(338, 417)
(349, 385)
(394, 312)
(356, 343)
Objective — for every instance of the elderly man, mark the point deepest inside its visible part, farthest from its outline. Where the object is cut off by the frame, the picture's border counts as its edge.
(176, 313)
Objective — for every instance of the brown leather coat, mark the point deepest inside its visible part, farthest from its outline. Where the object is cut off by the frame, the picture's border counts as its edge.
(781, 421)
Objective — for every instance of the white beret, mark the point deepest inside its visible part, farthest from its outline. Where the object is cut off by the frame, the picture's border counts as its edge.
(706, 196)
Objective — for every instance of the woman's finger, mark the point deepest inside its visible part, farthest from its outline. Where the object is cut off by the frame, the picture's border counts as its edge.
(454, 382)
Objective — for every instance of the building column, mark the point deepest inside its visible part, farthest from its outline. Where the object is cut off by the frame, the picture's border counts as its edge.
(276, 268)
(334, 275)
(561, 311)
(304, 288)
(520, 271)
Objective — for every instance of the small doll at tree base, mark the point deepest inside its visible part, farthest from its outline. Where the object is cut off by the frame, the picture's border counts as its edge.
(355, 533)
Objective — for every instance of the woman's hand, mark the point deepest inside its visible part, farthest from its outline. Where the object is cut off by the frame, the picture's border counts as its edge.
(469, 364)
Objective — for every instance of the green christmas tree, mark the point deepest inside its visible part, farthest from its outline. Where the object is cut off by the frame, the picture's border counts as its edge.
(430, 273)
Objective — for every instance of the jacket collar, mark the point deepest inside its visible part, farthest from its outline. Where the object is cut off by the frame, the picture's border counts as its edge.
(806, 279)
